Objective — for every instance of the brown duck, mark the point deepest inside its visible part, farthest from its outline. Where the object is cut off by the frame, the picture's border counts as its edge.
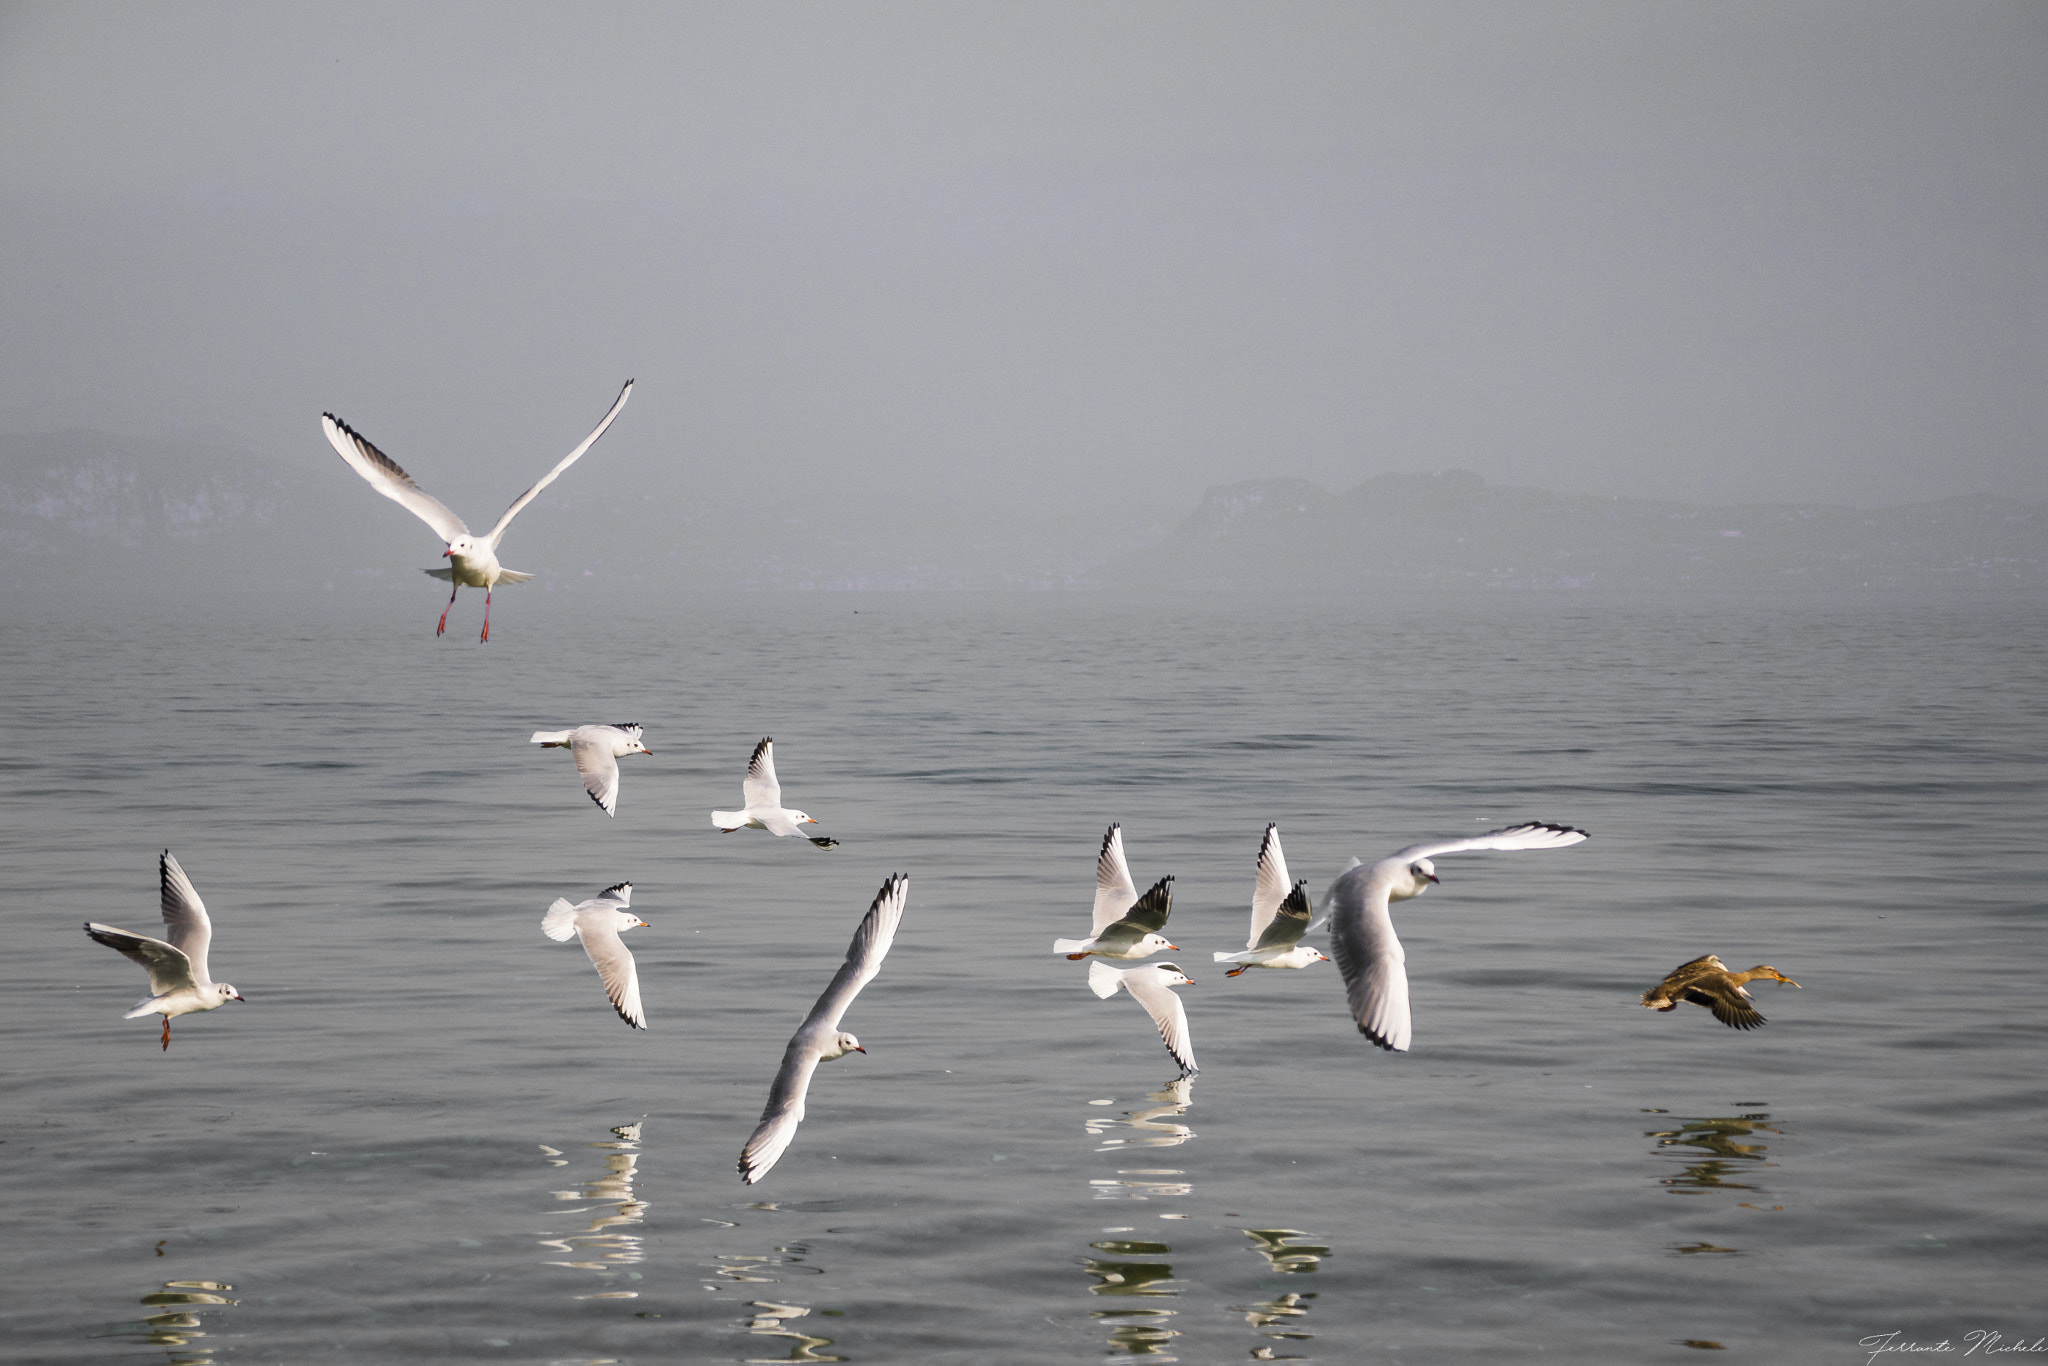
(1707, 982)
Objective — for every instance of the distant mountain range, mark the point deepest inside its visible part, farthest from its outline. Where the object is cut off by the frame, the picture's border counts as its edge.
(1453, 530)
(87, 509)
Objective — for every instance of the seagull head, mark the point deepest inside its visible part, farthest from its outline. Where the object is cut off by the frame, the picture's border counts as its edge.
(1154, 943)
(1171, 974)
(630, 744)
(461, 548)
(227, 993)
(1421, 876)
(803, 818)
(845, 1043)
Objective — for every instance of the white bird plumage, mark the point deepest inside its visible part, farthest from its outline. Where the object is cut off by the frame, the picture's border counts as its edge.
(597, 750)
(1126, 925)
(761, 794)
(179, 981)
(819, 1038)
(472, 559)
(599, 922)
(1152, 987)
(1280, 916)
(1362, 937)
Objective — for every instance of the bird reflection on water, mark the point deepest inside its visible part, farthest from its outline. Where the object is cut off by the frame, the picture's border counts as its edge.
(611, 1198)
(1155, 1125)
(769, 1320)
(1280, 1317)
(1140, 1329)
(176, 1322)
(1717, 1138)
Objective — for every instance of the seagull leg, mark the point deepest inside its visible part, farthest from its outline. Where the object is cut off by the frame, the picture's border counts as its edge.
(487, 614)
(167, 1034)
(443, 627)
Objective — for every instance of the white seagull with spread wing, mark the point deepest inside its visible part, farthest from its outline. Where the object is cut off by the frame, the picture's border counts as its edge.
(472, 559)
(1362, 935)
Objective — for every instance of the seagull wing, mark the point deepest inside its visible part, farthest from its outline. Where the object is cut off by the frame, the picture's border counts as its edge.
(1163, 1004)
(600, 770)
(1271, 889)
(385, 477)
(1114, 890)
(571, 458)
(1529, 835)
(1149, 915)
(191, 933)
(169, 969)
(785, 1108)
(1369, 954)
(1323, 911)
(1289, 923)
(864, 955)
(761, 791)
(771, 1137)
(600, 935)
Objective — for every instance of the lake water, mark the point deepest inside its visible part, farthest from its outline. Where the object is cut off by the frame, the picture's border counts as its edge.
(425, 1136)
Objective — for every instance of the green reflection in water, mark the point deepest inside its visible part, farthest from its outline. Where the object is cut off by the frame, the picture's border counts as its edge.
(177, 1324)
(1278, 1247)
(1138, 1329)
(1717, 1137)
(613, 1204)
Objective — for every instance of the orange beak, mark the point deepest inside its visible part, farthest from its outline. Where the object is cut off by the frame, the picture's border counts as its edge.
(447, 554)
(811, 820)
(859, 1048)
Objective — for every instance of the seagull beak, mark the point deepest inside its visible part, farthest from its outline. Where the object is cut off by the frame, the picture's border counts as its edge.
(645, 750)
(240, 997)
(1174, 947)
(859, 1049)
(448, 554)
(810, 820)
(1432, 877)
(643, 925)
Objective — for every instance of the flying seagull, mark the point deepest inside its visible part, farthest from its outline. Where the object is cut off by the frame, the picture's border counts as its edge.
(598, 750)
(1280, 915)
(1152, 985)
(178, 980)
(1708, 982)
(762, 793)
(1362, 930)
(1126, 925)
(819, 1039)
(599, 922)
(472, 560)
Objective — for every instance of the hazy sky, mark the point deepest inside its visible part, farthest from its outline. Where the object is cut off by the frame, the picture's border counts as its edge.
(1044, 259)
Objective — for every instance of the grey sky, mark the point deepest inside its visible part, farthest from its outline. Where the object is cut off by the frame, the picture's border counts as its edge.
(1043, 260)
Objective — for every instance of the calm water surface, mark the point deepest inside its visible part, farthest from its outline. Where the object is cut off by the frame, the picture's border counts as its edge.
(426, 1137)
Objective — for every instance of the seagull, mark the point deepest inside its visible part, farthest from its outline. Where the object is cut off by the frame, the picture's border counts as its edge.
(1152, 986)
(762, 793)
(1362, 930)
(598, 750)
(1126, 925)
(1279, 917)
(178, 982)
(819, 1039)
(599, 922)
(1708, 982)
(472, 560)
